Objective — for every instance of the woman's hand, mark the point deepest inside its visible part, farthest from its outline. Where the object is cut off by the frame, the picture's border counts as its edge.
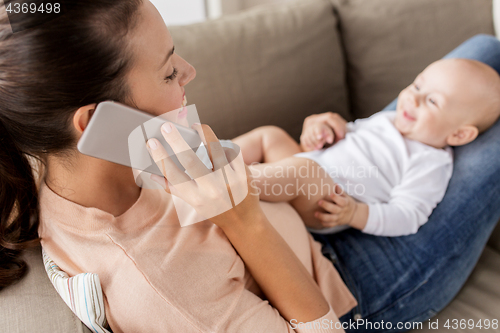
(321, 129)
(224, 194)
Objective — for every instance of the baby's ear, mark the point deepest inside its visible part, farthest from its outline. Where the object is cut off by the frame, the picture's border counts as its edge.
(463, 135)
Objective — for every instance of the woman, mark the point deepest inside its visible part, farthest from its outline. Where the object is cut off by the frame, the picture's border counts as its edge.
(104, 67)
(94, 218)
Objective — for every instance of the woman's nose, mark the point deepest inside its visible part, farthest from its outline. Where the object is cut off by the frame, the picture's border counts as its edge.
(188, 73)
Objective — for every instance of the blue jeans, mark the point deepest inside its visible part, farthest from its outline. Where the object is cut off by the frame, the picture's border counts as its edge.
(411, 278)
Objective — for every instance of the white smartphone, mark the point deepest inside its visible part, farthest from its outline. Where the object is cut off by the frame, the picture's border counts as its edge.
(118, 133)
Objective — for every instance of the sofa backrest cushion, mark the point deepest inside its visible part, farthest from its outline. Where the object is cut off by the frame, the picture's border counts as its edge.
(271, 65)
(388, 42)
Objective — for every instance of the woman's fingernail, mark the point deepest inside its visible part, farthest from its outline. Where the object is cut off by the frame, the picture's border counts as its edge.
(320, 202)
(167, 128)
(152, 144)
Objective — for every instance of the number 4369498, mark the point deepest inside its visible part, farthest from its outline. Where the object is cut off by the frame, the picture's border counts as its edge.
(471, 323)
(33, 8)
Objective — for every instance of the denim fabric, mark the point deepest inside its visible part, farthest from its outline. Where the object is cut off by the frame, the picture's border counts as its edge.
(411, 278)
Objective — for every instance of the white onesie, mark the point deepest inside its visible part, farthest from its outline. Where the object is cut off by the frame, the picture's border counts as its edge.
(401, 180)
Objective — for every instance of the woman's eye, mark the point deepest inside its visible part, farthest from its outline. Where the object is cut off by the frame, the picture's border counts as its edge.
(172, 76)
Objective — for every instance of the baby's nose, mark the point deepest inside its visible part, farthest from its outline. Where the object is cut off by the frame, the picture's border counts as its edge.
(414, 100)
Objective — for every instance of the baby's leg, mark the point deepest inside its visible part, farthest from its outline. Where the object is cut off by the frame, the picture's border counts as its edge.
(266, 144)
(298, 180)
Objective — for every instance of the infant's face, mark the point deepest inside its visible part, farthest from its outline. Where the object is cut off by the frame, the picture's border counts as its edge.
(434, 105)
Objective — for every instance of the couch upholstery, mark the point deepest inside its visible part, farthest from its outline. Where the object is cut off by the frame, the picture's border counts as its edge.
(388, 42)
(256, 66)
(278, 63)
(32, 305)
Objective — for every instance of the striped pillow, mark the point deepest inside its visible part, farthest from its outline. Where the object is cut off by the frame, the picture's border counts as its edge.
(82, 293)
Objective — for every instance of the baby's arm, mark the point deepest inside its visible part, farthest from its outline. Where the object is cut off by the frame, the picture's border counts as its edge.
(321, 129)
(268, 144)
(412, 201)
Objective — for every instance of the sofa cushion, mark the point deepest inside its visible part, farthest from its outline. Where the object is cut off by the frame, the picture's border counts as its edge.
(271, 65)
(34, 305)
(477, 300)
(388, 42)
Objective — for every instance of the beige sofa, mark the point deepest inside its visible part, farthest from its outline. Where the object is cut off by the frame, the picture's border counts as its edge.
(277, 64)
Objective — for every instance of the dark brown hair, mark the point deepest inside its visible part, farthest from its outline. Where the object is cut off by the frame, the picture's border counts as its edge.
(47, 72)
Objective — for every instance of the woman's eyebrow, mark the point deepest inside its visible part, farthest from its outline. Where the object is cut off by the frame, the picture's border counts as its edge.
(168, 56)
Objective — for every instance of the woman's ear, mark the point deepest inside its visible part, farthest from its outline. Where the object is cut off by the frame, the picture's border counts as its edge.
(82, 117)
(462, 136)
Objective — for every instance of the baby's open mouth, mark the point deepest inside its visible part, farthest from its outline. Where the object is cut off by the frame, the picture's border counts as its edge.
(408, 116)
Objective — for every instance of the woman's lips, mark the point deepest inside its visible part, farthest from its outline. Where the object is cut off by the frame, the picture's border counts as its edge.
(183, 112)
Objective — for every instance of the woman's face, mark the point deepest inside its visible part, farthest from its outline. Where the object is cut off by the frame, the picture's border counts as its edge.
(158, 75)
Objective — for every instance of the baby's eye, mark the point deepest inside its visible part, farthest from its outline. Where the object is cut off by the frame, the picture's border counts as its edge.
(416, 86)
(432, 101)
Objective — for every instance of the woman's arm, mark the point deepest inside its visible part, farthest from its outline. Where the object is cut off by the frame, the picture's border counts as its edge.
(277, 270)
(282, 277)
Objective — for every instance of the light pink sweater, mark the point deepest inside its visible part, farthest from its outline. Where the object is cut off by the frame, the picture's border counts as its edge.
(160, 277)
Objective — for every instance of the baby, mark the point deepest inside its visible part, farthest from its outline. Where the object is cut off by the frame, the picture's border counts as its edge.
(385, 174)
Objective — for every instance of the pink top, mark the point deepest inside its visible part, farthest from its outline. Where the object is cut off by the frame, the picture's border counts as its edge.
(159, 276)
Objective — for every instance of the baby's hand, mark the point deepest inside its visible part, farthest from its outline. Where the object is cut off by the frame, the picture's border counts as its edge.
(340, 209)
(316, 136)
(320, 129)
